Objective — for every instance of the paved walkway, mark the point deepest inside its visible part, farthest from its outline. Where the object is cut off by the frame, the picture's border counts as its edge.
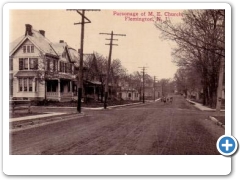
(49, 114)
(201, 107)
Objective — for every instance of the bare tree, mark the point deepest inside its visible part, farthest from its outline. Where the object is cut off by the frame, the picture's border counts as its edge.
(200, 40)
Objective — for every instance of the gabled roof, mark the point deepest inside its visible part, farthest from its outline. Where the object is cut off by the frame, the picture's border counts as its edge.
(71, 53)
(40, 41)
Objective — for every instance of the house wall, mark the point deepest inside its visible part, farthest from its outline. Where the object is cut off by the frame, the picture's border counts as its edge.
(125, 96)
(23, 94)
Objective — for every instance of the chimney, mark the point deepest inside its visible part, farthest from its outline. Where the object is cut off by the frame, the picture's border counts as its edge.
(42, 32)
(28, 29)
(61, 41)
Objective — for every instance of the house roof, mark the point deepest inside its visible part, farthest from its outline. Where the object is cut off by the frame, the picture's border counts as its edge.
(40, 41)
(85, 58)
(73, 54)
(26, 74)
(62, 47)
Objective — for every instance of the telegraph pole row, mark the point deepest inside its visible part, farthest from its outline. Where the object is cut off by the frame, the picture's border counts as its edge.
(143, 71)
(109, 62)
(81, 12)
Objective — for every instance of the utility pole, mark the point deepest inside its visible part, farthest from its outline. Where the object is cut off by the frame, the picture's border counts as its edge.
(81, 12)
(109, 62)
(143, 71)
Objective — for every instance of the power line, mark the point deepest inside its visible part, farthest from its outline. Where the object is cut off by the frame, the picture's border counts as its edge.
(109, 62)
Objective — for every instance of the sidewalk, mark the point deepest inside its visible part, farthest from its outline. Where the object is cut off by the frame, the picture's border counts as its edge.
(217, 120)
(48, 114)
(52, 114)
(201, 107)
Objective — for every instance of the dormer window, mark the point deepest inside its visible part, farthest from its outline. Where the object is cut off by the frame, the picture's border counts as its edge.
(28, 49)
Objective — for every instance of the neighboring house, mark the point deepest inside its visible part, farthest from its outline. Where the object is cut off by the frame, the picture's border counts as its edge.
(40, 69)
(93, 84)
(128, 94)
(125, 91)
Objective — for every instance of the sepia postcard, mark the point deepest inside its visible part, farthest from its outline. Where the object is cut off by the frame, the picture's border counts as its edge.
(141, 79)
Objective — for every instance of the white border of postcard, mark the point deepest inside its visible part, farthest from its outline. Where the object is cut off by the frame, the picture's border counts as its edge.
(114, 165)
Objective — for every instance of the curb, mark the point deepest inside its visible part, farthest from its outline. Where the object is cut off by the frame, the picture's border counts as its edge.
(216, 121)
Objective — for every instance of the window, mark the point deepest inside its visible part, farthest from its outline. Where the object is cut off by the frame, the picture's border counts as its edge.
(11, 64)
(30, 83)
(11, 86)
(36, 85)
(28, 49)
(54, 65)
(21, 64)
(64, 67)
(26, 84)
(33, 63)
(61, 66)
(32, 49)
(48, 64)
(24, 49)
(28, 63)
(20, 84)
(25, 63)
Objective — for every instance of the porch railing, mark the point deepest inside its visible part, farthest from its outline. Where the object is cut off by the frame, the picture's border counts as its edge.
(52, 94)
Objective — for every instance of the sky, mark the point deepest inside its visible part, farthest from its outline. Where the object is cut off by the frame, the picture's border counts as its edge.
(142, 45)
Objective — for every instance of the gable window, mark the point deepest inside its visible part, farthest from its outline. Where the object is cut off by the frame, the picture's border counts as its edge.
(24, 49)
(32, 49)
(28, 49)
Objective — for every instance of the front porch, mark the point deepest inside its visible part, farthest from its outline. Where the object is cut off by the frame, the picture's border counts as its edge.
(59, 90)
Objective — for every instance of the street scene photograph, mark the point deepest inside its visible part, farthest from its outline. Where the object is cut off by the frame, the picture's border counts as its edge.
(116, 81)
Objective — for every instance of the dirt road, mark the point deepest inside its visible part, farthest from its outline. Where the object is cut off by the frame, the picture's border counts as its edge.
(169, 129)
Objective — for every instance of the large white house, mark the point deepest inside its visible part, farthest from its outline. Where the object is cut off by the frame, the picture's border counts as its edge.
(40, 69)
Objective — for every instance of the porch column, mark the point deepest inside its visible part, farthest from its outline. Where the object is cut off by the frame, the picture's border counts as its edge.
(94, 92)
(59, 90)
(71, 88)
